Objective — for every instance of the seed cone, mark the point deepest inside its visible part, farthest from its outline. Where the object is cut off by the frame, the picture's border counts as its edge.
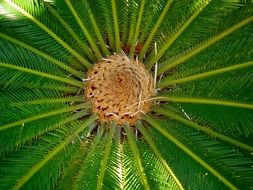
(120, 89)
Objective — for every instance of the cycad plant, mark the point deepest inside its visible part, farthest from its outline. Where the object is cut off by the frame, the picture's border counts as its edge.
(126, 94)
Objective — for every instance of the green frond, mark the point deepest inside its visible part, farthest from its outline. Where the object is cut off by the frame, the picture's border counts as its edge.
(188, 151)
(85, 31)
(104, 162)
(47, 57)
(11, 53)
(206, 101)
(158, 155)
(28, 126)
(137, 28)
(154, 29)
(45, 154)
(217, 97)
(131, 179)
(8, 96)
(43, 115)
(115, 172)
(167, 81)
(47, 30)
(116, 25)
(98, 33)
(89, 169)
(86, 50)
(132, 14)
(191, 178)
(178, 33)
(136, 154)
(41, 74)
(109, 20)
(157, 176)
(70, 174)
(205, 45)
(224, 33)
(52, 153)
(204, 129)
(50, 101)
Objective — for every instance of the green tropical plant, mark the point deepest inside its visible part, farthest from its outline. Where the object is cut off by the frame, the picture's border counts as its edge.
(198, 133)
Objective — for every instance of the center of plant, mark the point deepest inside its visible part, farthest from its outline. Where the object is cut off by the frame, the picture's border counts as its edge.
(120, 89)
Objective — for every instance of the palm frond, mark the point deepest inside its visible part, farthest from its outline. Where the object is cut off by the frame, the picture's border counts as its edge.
(90, 168)
(204, 129)
(28, 128)
(159, 156)
(136, 154)
(196, 157)
(170, 81)
(42, 157)
(132, 179)
(48, 31)
(82, 45)
(38, 52)
(105, 159)
(115, 172)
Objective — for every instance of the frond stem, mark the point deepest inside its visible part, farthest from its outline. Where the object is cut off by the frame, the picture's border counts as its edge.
(154, 30)
(42, 54)
(136, 154)
(158, 154)
(206, 101)
(51, 154)
(42, 74)
(166, 81)
(137, 29)
(50, 32)
(168, 65)
(105, 159)
(44, 115)
(171, 138)
(204, 129)
(116, 26)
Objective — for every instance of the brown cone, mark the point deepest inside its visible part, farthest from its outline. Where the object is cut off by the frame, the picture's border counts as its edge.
(120, 89)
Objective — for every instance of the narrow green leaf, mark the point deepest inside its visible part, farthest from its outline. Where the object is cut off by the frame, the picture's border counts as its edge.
(154, 30)
(166, 82)
(85, 31)
(52, 153)
(204, 129)
(50, 32)
(156, 125)
(43, 115)
(168, 65)
(158, 154)
(116, 26)
(42, 54)
(205, 101)
(42, 74)
(162, 50)
(136, 153)
(105, 159)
